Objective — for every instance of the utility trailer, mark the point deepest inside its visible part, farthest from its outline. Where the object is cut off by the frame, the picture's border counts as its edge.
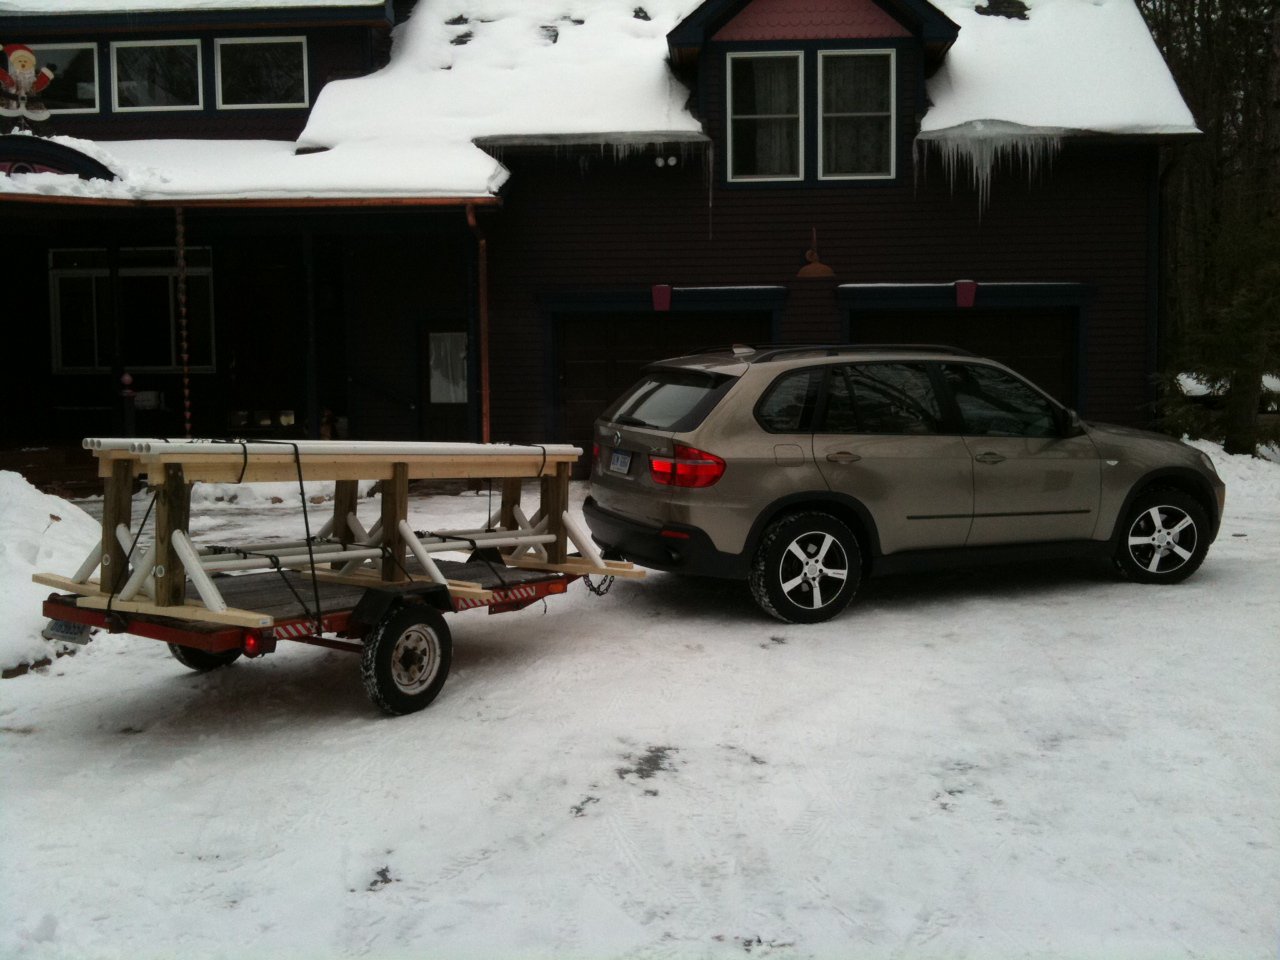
(380, 592)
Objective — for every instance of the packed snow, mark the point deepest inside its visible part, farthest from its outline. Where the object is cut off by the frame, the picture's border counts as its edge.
(1042, 761)
(596, 71)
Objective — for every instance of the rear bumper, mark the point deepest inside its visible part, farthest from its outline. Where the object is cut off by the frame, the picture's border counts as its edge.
(674, 547)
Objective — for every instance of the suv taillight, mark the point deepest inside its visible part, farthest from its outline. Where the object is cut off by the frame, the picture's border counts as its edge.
(689, 467)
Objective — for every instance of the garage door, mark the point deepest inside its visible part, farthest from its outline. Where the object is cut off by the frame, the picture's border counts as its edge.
(600, 354)
(1040, 344)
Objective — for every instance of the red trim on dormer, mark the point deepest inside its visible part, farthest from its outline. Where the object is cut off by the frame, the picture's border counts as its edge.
(811, 20)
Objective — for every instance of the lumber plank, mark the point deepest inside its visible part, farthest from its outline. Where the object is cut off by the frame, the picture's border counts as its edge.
(91, 599)
(173, 512)
(395, 507)
(117, 508)
(611, 568)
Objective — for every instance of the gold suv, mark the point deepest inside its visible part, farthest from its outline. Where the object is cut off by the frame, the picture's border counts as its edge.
(805, 469)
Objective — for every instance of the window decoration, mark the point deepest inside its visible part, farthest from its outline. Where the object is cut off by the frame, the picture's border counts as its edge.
(261, 73)
(22, 85)
(73, 87)
(156, 75)
(146, 337)
(766, 123)
(856, 126)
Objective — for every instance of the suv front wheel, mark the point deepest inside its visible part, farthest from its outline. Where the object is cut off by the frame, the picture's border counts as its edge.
(1166, 536)
(806, 569)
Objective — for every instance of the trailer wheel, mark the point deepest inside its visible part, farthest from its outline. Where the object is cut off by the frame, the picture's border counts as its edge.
(406, 659)
(200, 660)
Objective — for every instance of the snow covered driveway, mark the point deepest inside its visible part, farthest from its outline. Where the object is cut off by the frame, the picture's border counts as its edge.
(1003, 764)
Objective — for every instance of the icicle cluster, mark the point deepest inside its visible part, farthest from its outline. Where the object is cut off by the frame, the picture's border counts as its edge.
(980, 150)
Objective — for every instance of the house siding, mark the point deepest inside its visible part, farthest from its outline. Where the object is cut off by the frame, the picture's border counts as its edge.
(609, 226)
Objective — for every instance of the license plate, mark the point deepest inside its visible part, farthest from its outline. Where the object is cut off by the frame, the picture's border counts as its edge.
(67, 632)
(620, 462)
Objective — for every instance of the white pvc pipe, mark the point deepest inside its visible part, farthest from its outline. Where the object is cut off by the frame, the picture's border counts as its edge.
(204, 586)
(582, 540)
(140, 573)
(416, 548)
(347, 447)
(90, 564)
(285, 560)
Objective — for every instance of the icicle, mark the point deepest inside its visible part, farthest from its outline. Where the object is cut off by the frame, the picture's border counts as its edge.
(980, 149)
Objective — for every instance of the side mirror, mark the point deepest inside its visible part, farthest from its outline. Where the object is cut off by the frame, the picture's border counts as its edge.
(1072, 425)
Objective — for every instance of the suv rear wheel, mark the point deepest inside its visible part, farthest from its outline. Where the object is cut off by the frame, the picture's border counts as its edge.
(806, 569)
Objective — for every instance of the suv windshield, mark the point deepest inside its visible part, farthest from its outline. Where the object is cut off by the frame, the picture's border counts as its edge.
(675, 400)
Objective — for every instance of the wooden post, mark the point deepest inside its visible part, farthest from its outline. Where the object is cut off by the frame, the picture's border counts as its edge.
(346, 495)
(173, 512)
(512, 487)
(117, 508)
(395, 507)
(555, 501)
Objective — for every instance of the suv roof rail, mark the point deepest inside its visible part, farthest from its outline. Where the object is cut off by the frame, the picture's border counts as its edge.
(774, 351)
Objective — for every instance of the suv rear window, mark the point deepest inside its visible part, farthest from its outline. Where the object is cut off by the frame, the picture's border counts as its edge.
(675, 400)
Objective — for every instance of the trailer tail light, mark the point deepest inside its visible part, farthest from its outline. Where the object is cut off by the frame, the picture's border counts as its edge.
(595, 456)
(687, 467)
(256, 644)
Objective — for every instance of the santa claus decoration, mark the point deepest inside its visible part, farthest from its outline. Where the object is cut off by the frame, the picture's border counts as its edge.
(21, 84)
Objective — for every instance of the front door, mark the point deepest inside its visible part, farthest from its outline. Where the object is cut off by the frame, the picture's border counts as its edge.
(1029, 482)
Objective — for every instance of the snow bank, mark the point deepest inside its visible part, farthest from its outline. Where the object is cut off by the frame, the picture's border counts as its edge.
(42, 534)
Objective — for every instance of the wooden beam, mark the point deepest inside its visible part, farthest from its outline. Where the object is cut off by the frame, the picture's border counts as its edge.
(90, 599)
(117, 508)
(395, 507)
(346, 497)
(173, 512)
(555, 501)
(576, 565)
(512, 488)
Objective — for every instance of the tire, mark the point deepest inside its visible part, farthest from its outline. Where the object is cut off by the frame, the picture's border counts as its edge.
(806, 569)
(200, 660)
(1164, 537)
(406, 659)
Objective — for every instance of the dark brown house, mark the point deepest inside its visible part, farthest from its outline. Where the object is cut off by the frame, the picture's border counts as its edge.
(493, 236)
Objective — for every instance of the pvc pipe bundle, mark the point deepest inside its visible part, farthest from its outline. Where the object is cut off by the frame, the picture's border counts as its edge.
(376, 448)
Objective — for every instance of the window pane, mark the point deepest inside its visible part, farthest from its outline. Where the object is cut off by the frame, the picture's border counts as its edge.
(856, 84)
(789, 404)
(894, 398)
(75, 80)
(767, 86)
(765, 124)
(995, 404)
(670, 399)
(840, 416)
(766, 148)
(145, 322)
(448, 367)
(161, 76)
(856, 146)
(76, 334)
(262, 73)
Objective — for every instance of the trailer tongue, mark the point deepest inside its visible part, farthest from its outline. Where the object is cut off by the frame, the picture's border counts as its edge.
(379, 592)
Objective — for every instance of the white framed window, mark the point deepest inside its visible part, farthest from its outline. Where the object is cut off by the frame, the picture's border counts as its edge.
(154, 75)
(261, 73)
(448, 367)
(857, 114)
(74, 87)
(766, 116)
(146, 334)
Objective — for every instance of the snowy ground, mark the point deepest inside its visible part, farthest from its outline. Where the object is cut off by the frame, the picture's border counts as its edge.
(1018, 763)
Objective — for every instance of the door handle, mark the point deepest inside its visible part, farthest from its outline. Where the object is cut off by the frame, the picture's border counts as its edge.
(843, 456)
(989, 457)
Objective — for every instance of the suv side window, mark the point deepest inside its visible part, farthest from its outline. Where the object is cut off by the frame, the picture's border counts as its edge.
(994, 404)
(895, 398)
(788, 405)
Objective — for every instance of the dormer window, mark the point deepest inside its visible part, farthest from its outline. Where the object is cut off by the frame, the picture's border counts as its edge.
(766, 117)
(840, 125)
(855, 131)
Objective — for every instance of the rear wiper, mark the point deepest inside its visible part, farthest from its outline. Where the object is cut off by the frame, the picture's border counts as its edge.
(627, 420)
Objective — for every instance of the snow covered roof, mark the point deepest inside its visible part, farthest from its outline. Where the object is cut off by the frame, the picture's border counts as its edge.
(50, 7)
(1070, 66)
(464, 72)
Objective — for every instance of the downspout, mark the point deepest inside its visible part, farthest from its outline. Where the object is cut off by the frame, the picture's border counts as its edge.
(482, 282)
